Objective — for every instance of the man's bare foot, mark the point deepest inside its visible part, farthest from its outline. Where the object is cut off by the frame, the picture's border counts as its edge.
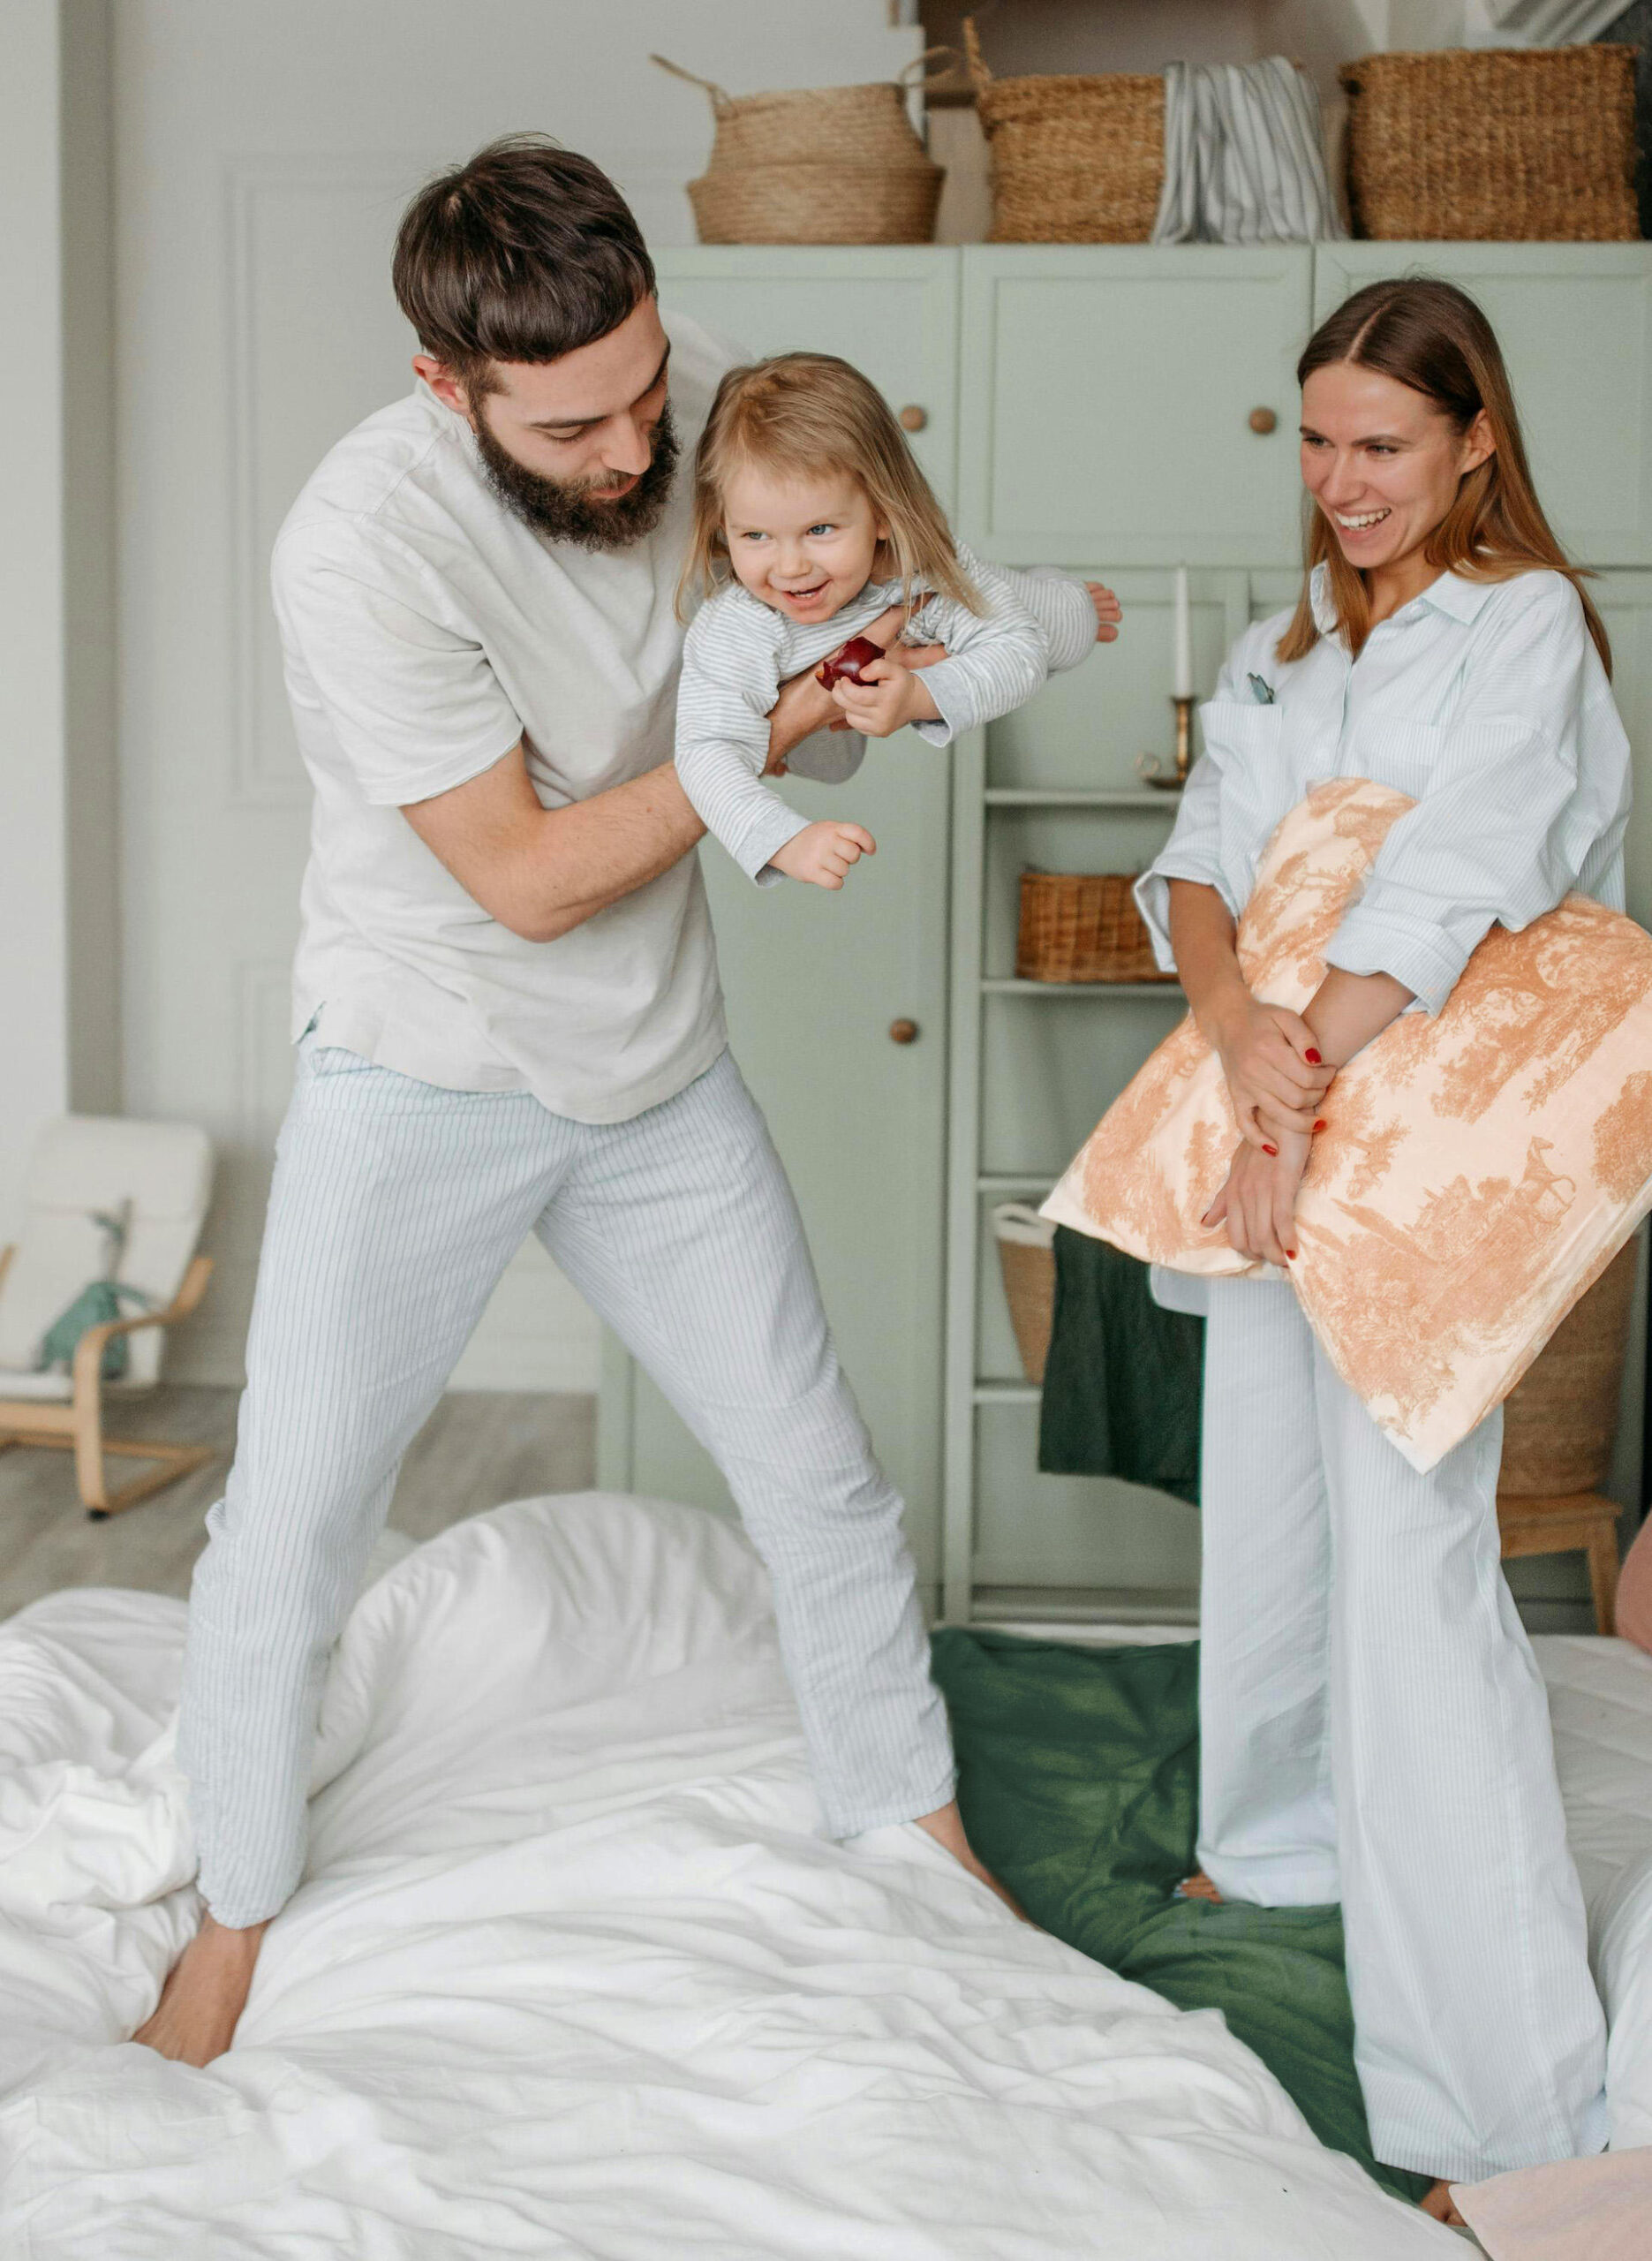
(945, 1827)
(204, 1993)
(1438, 2202)
(1198, 1886)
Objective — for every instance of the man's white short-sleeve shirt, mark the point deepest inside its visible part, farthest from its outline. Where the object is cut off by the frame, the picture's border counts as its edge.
(426, 629)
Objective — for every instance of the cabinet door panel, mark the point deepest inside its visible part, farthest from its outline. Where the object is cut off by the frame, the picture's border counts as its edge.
(1105, 400)
(814, 980)
(1574, 322)
(893, 313)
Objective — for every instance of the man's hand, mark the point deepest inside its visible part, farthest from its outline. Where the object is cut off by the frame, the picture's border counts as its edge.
(824, 853)
(888, 697)
(1258, 1202)
(1109, 612)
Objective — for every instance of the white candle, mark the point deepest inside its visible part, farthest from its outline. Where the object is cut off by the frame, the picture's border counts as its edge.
(1184, 639)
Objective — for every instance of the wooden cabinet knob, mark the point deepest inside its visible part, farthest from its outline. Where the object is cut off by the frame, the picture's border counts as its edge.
(903, 1032)
(1263, 420)
(913, 419)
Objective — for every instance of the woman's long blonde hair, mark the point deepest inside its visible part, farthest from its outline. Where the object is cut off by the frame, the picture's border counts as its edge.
(802, 414)
(1432, 336)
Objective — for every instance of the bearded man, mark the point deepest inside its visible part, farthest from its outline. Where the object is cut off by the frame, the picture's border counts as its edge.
(509, 1021)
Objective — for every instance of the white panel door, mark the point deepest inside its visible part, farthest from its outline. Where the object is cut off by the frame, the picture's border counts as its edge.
(264, 155)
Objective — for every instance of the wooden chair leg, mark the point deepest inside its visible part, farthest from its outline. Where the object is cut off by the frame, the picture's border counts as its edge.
(1602, 1560)
(88, 1450)
(172, 1461)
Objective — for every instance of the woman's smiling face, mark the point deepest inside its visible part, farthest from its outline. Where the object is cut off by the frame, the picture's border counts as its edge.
(1382, 461)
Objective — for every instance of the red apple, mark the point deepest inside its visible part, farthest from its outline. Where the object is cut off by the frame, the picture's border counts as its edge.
(845, 666)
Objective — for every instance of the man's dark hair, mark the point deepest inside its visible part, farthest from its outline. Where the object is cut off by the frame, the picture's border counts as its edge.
(524, 255)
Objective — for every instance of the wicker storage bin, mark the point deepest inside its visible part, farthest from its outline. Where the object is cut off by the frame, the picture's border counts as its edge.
(818, 204)
(1530, 145)
(1077, 160)
(1560, 1420)
(813, 165)
(1083, 926)
(1026, 1255)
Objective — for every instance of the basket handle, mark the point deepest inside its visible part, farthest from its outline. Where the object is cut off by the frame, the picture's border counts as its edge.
(975, 63)
(927, 78)
(720, 95)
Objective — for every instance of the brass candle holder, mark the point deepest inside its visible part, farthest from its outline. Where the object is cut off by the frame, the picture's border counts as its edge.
(1171, 781)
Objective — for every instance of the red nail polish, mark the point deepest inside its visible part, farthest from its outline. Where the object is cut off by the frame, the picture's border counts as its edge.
(1319, 1126)
(1269, 1150)
(1312, 1057)
(1290, 1256)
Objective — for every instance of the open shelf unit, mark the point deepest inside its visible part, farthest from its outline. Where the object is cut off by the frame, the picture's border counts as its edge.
(969, 1396)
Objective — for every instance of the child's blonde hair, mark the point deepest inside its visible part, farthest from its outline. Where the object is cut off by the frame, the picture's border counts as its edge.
(807, 414)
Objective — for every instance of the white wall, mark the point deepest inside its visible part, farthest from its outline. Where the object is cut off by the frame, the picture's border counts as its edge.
(57, 1033)
(264, 150)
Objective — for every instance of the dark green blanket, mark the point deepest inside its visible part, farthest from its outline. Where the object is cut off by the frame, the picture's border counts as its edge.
(1078, 1777)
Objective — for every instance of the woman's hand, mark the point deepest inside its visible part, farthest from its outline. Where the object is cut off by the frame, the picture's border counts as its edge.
(1275, 1073)
(1258, 1202)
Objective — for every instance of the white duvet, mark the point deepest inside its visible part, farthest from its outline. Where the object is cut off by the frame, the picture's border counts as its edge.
(572, 1973)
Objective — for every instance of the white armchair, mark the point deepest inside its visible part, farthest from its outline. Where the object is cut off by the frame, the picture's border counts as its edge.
(158, 1177)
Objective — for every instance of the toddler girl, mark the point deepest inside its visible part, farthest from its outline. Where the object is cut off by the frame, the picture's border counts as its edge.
(806, 492)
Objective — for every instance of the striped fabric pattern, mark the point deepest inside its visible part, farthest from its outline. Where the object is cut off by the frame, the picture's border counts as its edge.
(396, 1206)
(1374, 1729)
(739, 651)
(1244, 156)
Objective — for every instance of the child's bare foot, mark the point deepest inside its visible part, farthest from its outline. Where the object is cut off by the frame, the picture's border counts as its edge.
(945, 1827)
(1198, 1886)
(204, 1993)
(1438, 2202)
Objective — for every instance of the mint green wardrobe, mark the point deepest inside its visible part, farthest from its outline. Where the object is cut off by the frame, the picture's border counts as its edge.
(1116, 411)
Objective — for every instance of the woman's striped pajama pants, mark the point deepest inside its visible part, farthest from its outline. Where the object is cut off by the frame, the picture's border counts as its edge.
(1374, 1729)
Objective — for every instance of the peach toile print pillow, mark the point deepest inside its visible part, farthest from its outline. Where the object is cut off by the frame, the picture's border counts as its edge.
(1480, 1170)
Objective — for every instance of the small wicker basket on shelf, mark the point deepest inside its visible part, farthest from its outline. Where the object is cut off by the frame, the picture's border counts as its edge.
(813, 165)
(1526, 144)
(1074, 160)
(1026, 1255)
(1083, 926)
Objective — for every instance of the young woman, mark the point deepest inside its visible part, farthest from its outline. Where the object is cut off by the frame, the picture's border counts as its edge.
(1375, 1729)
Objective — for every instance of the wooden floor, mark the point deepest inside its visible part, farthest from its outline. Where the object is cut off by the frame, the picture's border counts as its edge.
(479, 1447)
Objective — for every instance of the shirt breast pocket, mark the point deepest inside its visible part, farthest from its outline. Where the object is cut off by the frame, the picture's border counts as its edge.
(1243, 741)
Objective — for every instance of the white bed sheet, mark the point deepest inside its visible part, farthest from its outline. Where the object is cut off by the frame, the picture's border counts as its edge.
(572, 1973)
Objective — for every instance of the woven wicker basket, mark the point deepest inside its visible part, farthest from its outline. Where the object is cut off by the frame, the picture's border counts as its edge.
(813, 165)
(1072, 160)
(1083, 926)
(1531, 145)
(1026, 1255)
(1560, 1421)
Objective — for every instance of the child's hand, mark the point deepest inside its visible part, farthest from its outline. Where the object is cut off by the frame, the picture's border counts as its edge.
(888, 697)
(1109, 612)
(1258, 1202)
(822, 853)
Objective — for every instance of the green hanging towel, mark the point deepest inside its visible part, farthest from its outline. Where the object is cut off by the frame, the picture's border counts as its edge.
(98, 1302)
(1123, 1380)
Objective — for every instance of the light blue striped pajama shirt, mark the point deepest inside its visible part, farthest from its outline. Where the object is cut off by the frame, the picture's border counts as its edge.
(1373, 1724)
(738, 652)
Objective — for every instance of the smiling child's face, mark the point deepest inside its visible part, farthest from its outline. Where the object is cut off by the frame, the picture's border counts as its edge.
(804, 545)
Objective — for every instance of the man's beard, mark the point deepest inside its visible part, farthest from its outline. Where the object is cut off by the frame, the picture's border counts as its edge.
(563, 511)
